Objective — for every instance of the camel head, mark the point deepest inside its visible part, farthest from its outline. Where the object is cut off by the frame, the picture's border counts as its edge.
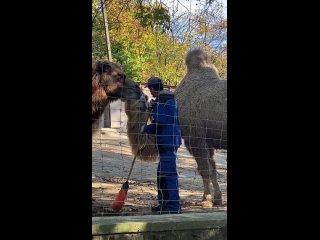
(107, 77)
(109, 83)
(131, 93)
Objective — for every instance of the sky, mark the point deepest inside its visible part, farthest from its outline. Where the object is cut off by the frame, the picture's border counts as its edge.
(193, 5)
(224, 2)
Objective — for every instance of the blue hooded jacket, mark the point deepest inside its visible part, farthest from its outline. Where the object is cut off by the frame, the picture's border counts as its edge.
(165, 121)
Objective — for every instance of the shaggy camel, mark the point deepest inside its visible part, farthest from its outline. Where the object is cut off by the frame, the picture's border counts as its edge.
(109, 83)
(202, 101)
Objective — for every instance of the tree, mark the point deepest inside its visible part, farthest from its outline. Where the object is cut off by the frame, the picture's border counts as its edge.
(150, 39)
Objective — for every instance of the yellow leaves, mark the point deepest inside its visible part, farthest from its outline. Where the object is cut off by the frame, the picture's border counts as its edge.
(203, 29)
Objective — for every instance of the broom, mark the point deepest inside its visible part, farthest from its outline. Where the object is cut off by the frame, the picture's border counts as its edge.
(122, 195)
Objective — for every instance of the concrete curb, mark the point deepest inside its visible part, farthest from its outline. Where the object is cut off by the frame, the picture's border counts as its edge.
(158, 223)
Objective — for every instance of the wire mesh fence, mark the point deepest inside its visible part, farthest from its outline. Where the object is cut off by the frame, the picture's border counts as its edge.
(145, 48)
(111, 160)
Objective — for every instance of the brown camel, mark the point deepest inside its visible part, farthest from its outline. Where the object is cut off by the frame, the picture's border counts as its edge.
(109, 84)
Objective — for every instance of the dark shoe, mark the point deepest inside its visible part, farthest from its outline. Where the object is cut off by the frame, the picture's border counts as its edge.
(156, 208)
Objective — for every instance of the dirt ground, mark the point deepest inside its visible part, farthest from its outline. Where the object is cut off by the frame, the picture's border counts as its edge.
(111, 161)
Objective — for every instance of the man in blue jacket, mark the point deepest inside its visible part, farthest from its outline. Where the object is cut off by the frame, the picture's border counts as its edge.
(165, 126)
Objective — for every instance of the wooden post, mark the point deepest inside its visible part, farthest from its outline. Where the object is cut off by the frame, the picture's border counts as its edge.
(106, 118)
(106, 26)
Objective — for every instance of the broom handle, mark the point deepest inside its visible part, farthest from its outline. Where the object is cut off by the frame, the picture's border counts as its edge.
(134, 159)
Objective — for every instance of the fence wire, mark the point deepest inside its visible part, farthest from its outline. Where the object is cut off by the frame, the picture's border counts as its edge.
(112, 152)
(111, 160)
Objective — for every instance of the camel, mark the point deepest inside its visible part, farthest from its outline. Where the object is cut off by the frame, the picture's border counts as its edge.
(202, 102)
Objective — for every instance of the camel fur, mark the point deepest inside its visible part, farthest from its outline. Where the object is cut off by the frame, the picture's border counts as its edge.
(202, 102)
(142, 145)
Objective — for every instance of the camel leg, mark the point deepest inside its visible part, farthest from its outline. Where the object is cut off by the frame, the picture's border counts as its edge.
(202, 156)
(203, 162)
(206, 186)
(217, 196)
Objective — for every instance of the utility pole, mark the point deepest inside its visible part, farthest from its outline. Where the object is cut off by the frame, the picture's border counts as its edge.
(105, 20)
(106, 116)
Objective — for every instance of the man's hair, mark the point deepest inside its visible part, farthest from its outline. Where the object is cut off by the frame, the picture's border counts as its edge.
(155, 83)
